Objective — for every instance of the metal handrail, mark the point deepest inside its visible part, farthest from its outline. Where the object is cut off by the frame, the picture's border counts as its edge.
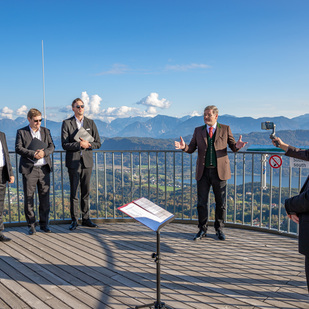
(167, 178)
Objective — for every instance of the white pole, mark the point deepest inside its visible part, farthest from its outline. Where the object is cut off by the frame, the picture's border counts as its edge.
(44, 110)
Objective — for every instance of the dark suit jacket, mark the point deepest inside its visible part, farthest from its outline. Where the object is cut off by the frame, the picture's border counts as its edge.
(223, 137)
(73, 150)
(8, 165)
(23, 140)
(299, 204)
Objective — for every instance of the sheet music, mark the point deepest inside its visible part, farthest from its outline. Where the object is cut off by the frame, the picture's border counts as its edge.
(148, 213)
(153, 208)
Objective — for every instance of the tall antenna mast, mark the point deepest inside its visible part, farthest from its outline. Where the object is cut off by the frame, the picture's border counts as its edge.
(44, 109)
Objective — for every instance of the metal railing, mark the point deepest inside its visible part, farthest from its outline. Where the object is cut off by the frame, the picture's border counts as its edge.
(254, 195)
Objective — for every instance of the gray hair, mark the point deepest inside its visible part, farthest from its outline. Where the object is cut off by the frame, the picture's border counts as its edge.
(213, 108)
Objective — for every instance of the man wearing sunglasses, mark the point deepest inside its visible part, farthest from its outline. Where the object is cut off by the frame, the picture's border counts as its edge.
(34, 144)
(79, 161)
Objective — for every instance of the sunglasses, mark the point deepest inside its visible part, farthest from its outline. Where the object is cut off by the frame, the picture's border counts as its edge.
(38, 120)
(80, 106)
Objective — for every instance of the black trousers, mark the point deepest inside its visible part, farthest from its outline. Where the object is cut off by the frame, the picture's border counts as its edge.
(80, 177)
(3, 180)
(40, 178)
(209, 179)
(307, 270)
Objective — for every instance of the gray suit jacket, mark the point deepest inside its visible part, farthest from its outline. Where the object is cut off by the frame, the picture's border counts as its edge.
(8, 165)
(23, 140)
(223, 137)
(73, 151)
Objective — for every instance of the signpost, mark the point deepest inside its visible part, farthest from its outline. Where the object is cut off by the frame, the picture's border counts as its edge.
(275, 161)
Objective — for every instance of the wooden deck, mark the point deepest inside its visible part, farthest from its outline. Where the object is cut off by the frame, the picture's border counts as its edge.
(111, 267)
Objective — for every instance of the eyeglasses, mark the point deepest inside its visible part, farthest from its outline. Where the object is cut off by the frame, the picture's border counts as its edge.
(38, 120)
(80, 106)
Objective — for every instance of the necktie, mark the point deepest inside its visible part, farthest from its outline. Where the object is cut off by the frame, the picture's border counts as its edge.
(210, 132)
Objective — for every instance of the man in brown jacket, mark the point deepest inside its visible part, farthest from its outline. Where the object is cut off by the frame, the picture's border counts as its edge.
(212, 167)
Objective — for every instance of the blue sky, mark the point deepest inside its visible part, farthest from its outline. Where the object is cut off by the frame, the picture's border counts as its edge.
(145, 57)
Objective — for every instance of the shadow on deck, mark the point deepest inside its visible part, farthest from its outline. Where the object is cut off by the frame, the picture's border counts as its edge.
(111, 267)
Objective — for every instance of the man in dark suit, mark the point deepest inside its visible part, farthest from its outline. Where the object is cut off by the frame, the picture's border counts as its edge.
(297, 207)
(212, 167)
(35, 166)
(6, 175)
(79, 161)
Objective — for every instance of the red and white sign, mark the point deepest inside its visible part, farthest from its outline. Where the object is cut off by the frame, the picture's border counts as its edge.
(275, 161)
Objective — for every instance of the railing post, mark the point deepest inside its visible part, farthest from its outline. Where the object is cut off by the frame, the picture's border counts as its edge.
(279, 210)
(235, 188)
(243, 189)
(96, 182)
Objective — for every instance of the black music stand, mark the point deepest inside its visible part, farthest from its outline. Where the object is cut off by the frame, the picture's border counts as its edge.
(154, 217)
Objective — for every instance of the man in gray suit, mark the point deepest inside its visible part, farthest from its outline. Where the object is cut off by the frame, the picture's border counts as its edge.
(35, 166)
(6, 175)
(79, 161)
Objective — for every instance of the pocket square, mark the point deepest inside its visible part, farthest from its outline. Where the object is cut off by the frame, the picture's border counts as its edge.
(88, 129)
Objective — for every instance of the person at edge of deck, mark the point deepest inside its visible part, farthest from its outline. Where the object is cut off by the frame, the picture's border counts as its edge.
(297, 207)
(6, 175)
(79, 161)
(212, 167)
(35, 166)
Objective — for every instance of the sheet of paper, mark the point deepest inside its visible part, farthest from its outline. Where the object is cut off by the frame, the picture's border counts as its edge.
(142, 215)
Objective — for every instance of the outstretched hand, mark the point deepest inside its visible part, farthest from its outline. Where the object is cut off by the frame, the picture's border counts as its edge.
(240, 144)
(181, 144)
(294, 218)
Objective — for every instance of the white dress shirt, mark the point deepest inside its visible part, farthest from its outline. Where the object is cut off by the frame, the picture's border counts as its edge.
(214, 128)
(2, 157)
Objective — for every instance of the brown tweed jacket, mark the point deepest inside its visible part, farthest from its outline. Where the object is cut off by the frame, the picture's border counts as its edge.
(223, 137)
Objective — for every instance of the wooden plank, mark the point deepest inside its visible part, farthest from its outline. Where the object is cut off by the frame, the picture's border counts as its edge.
(111, 267)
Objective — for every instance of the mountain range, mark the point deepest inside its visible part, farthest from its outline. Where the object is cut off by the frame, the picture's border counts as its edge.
(165, 126)
(141, 132)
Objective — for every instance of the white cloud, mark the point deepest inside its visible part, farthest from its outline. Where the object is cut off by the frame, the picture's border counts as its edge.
(22, 111)
(151, 110)
(92, 105)
(93, 108)
(186, 67)
(122, 111)
(6, 113)
(95, 104)
(153, 100)
(66, 109)
(116, 69)
(85, 98)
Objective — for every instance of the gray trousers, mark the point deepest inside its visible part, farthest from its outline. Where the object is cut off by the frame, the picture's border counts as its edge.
(40, 178)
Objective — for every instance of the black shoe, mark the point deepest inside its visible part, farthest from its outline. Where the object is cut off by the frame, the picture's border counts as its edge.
(220, 235)
(88, 223)
(200, 234)
(4, 238)
(32, 230)
(73, 225)
(45, 229)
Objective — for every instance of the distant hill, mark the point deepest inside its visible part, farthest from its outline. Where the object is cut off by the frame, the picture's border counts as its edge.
(298, 138)
(165, 126)
(146, 132)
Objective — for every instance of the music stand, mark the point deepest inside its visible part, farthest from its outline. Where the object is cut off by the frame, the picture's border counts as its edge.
(154, 217)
